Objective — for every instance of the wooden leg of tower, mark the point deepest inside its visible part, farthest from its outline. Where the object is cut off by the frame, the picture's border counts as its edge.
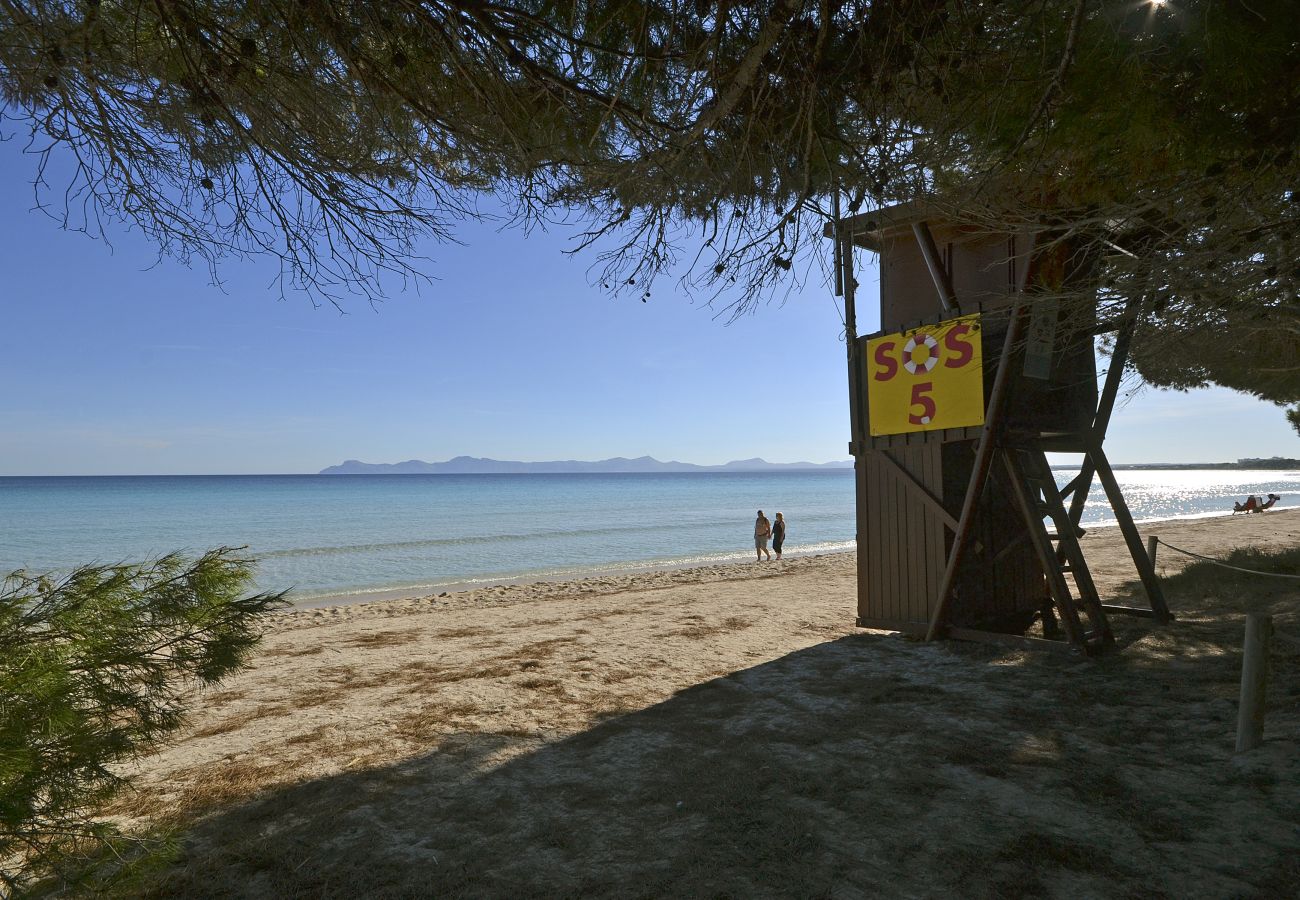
(1068, 545)
(864, 558)
(985, 450)
(1059, 590)
(1146, 571)
(1079, 496)
(1051, 627)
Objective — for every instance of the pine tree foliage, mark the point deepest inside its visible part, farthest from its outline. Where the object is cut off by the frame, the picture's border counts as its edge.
(97, 668)
(1154, 136)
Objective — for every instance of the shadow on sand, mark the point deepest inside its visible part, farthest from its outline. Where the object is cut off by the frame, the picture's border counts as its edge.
(865, 766)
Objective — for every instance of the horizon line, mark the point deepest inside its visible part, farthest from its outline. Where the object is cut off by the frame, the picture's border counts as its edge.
(318, 474)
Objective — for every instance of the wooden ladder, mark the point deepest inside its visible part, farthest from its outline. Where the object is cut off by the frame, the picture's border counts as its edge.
(1059, 554)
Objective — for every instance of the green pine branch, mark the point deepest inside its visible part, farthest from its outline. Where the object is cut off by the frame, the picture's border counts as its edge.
(96, 669)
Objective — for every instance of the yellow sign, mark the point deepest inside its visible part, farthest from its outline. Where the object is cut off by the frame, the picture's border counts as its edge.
(926, 379)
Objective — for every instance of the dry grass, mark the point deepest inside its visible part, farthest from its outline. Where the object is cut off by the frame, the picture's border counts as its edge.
(322, 695)
(436, 720)
(220, 698)
(204, 789)
(384, 639)
(214, 787)
(699, 629)
(449, 633)
(240, 720)
(321, 734)
(545, 649)
(311, 650)
(549, 685)
(617, 676)
(425, 675)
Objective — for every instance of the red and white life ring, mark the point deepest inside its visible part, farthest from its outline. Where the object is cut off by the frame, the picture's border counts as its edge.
(931, 361)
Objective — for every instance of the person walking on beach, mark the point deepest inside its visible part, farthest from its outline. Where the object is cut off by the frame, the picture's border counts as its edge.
(762, 531)
(778, 534)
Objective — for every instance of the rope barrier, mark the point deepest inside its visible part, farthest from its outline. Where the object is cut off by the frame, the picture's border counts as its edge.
(1224, 565)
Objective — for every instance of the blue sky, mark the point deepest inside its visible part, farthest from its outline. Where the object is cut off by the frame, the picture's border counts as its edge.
(114, 363)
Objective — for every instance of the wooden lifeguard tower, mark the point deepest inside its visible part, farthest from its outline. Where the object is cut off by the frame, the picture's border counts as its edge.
(980, 368)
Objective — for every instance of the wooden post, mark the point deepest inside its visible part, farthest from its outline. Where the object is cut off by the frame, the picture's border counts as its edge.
(848, 284)
(1115, 373)
(980, 471)
(1105, 406)
(1152, 543)
(1060, 592)
(1254, 682)
(1146, 571)
(939, 274)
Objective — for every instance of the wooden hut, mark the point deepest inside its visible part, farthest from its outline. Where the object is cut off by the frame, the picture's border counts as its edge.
(978, 370)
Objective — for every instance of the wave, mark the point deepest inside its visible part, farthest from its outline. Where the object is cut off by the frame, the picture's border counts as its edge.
(464, 540)
(481, 539)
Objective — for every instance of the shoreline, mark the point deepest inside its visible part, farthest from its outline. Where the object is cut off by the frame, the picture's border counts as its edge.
(430, 592)
(386, 595)
(527, 591)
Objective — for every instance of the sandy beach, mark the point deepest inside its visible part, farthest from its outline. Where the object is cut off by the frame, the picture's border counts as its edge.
(727, 731)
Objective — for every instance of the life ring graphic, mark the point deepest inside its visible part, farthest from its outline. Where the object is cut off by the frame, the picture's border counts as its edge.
(931, 361)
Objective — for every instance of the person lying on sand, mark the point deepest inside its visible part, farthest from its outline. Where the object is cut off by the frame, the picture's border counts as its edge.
(1253, 504)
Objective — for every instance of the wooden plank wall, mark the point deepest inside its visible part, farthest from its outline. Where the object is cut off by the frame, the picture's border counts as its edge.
(991, 596)
(902, 544)
(1013, 586)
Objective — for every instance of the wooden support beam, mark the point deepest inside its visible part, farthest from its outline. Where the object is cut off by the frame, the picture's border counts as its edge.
(921, 491)
(1101, 419)
(1114, 375)
(857, 411)
(836, 225)
(1079, 488)
(844, 277)
(1136, 611)
(1012, 545)
(1146, 571)
(1020, 641)
(1078, 482)
(938, 272)
(980, 472)
(1059, 590)
(915, 629)
(1068, 546)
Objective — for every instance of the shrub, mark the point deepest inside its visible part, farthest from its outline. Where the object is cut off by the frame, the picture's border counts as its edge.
(97, 668)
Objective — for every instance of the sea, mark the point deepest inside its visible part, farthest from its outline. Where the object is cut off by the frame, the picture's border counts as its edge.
(353, 538)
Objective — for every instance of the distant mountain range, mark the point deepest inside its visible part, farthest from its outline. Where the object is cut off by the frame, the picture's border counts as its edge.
(1274, 462)
(473, 465)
